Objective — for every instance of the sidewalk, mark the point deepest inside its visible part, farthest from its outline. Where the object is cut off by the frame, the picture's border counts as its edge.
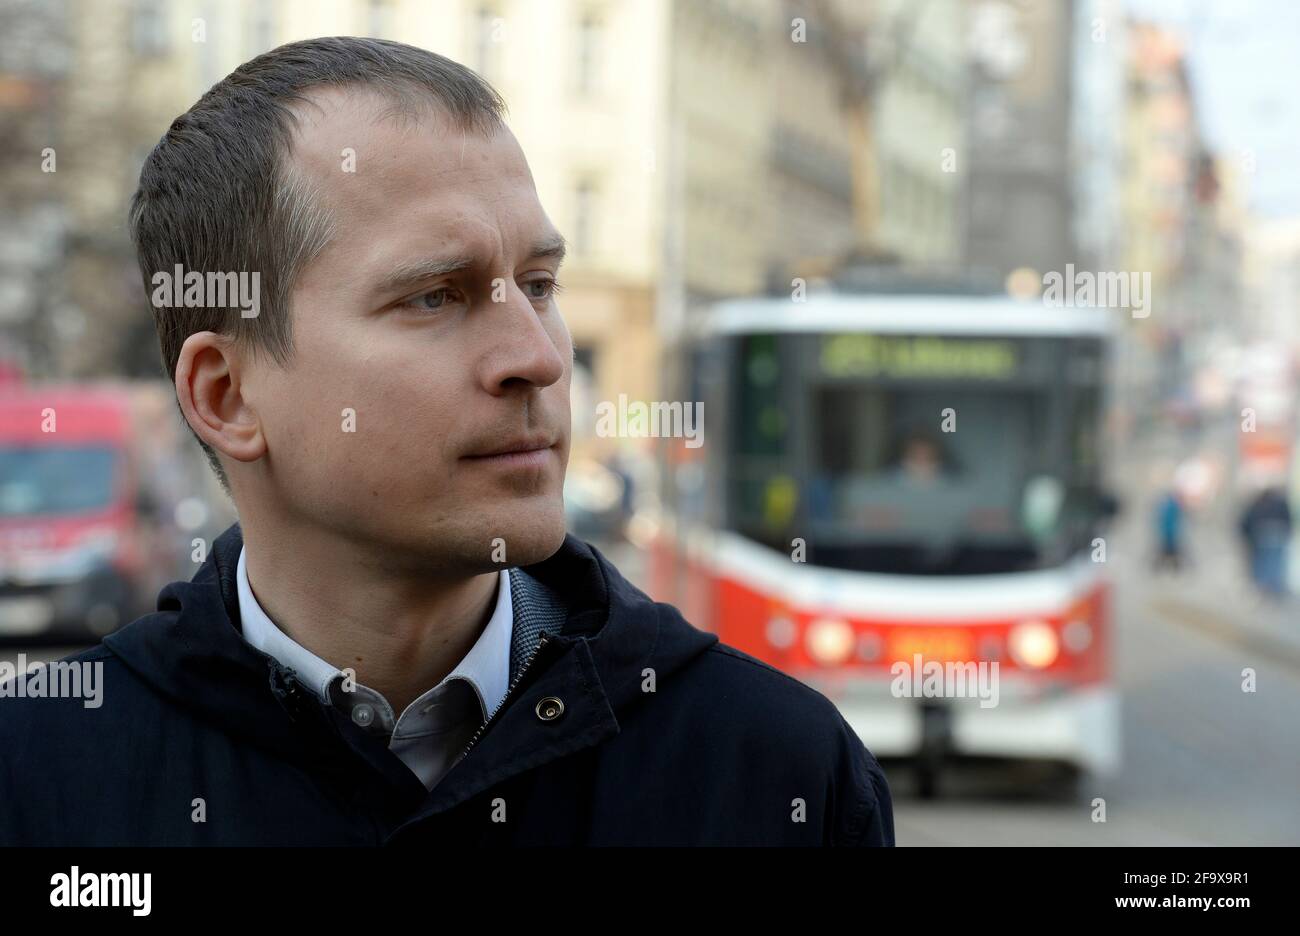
(1214, 591)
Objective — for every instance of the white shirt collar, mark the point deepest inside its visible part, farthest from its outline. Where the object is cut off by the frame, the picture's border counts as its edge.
(486, 667)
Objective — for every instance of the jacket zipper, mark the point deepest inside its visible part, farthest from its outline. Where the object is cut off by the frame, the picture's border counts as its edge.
(505, 698)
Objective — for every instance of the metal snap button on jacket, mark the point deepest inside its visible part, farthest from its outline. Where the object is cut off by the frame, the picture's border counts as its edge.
(549, 708)
(363, 715)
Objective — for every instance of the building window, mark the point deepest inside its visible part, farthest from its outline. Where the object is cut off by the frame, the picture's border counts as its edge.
(590, 44)
(261, 29)
(488, 31)
(379, 19)
(584, 217)
(149, 27)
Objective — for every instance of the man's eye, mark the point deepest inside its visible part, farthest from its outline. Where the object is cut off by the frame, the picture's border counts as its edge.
(541, 288)
(433, 300)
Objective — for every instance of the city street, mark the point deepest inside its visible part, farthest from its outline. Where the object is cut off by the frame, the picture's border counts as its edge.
(1203, 762)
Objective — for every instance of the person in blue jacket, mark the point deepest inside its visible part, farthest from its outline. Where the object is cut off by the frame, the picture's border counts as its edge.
(1171, 519)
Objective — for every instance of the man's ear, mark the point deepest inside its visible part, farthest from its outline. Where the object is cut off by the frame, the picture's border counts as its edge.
(209, 392)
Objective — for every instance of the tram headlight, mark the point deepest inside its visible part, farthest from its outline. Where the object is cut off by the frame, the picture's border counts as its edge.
(1033, 644)
(830, 641)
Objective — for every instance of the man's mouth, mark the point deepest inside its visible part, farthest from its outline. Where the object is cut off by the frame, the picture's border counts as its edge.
(522, 452)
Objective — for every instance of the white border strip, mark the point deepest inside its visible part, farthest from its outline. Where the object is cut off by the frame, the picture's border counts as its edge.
(948, 315)
(919, 598)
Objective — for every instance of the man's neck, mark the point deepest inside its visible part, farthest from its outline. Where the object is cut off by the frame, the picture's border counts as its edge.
(401, 633)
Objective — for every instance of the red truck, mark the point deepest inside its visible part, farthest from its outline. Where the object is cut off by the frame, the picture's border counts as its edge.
(85, 541)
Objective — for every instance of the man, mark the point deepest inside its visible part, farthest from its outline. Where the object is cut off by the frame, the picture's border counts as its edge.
(1266, 527)
(398, 643)
(920, 463)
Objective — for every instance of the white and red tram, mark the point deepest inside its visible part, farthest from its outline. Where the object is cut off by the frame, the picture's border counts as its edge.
(910, 480)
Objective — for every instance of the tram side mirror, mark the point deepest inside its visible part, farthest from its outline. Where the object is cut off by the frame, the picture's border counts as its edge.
(1109, 505)
(146, 504)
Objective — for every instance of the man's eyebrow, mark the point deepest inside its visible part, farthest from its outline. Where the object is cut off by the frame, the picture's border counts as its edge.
(551, 247)
(412, 274)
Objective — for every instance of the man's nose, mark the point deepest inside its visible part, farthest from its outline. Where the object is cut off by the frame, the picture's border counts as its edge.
(522, 352)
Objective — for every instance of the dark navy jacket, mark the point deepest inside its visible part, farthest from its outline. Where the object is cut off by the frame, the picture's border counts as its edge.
(195, 724)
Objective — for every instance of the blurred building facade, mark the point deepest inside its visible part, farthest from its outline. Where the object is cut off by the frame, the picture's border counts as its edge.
(921, 130)
(113, 75)
(1182, 223)
(1021, 204)
(34, 62)
(689, 149)
(1097, 157)
(1271, 262)
(1162, 149)
(910, 68)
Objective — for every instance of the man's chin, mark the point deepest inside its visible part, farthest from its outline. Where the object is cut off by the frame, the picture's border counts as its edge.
(520, 535)
(471, 537)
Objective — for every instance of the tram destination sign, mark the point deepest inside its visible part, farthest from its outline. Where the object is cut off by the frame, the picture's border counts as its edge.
(918, 357)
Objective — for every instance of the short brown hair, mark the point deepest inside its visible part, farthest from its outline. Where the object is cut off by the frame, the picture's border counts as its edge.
(216, 193)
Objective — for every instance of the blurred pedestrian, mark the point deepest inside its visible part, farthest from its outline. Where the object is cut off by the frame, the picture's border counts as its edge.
(1266, 528)
(1170, 522)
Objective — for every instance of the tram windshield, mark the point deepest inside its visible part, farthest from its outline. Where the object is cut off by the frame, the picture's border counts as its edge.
(927, 470)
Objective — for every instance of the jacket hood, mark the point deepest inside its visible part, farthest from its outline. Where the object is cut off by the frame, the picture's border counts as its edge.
(192, 651)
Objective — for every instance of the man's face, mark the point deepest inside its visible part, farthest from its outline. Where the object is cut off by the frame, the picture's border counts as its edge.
(921, 460)
(431, 316)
